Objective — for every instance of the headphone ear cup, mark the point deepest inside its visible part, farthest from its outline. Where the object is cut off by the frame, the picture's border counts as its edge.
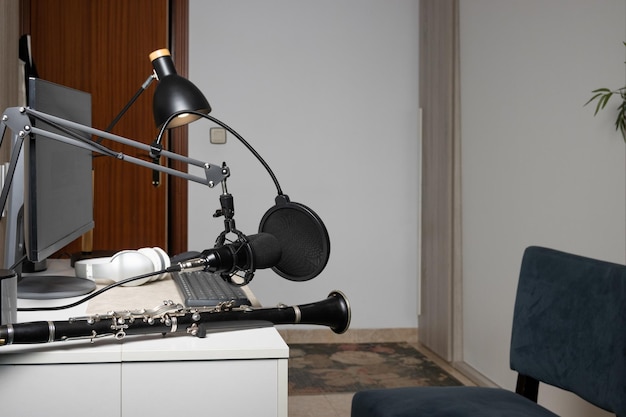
(130, 263)
(159, 259)
(166, 262)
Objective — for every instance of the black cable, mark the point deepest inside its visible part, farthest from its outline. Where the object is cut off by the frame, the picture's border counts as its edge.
(18, 263)
(232, 131)
(94, 294)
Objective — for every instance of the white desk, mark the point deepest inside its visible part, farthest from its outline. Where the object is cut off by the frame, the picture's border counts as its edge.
(239, 373)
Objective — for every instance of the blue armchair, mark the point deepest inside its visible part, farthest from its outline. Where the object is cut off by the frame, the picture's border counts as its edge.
(569, 331)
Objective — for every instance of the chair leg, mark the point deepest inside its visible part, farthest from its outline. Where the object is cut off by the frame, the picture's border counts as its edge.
(527, 386)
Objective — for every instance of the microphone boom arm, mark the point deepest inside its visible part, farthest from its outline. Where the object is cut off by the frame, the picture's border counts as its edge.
(18, 119)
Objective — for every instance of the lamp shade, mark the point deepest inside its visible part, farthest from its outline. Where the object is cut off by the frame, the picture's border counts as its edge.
(174, 94)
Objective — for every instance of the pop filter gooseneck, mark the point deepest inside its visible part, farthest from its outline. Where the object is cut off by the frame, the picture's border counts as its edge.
(302, 236)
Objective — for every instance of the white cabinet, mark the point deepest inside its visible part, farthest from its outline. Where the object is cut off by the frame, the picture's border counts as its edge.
(233, 373)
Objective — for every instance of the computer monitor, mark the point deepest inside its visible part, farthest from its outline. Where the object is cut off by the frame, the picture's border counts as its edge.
(58, 195)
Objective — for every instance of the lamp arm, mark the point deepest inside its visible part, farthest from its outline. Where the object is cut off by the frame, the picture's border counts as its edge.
(134, 98)
(18, 120)
(232, 131)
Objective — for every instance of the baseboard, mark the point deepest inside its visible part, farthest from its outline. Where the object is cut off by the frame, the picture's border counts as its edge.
(471, 373)
(351, 336)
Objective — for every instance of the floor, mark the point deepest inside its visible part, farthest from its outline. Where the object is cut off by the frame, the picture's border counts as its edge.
(338, 405)
(335, 405)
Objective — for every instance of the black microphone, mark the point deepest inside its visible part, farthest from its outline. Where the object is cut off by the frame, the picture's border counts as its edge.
(258, 251)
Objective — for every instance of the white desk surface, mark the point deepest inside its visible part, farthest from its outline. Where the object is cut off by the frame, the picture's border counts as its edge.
(241, 344)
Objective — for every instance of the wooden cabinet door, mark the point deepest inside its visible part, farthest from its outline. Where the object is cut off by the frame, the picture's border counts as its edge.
(102, 47)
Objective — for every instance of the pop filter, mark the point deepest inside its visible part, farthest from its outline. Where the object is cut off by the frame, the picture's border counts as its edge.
(302, 236)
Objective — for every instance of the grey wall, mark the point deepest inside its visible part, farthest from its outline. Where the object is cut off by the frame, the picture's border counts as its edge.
(327, 92)
(538, 168)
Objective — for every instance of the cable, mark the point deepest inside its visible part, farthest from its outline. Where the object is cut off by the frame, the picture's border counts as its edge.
(18, 262)
(232, 131)
(94, 294)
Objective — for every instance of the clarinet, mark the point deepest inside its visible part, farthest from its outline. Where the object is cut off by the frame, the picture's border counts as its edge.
(334, 312)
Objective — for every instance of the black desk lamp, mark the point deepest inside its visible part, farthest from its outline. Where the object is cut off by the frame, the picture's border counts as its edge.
(174, 94)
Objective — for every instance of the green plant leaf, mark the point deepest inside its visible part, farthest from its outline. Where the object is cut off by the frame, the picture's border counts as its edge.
(606, 99)
(603, 100)
(603, 95)
(620, 122)
(595, 96)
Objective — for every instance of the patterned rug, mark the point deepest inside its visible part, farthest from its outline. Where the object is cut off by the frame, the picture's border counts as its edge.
(318, 368)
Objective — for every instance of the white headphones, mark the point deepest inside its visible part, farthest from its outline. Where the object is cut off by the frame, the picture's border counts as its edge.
(124, 264)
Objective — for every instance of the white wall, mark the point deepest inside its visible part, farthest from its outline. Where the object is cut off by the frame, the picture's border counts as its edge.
(538, 168)
(327, 92)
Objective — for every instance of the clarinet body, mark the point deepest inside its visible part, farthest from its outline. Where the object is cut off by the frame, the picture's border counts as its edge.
(334, 312)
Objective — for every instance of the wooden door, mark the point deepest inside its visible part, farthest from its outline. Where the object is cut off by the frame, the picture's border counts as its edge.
(102, 47)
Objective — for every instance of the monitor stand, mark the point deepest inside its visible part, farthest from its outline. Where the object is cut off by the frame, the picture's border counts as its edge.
(55, 279)
(52, 287)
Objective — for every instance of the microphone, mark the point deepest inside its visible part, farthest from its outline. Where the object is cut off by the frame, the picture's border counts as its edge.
(259, 251)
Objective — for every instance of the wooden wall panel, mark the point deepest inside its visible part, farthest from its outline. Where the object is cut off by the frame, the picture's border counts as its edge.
(102, 47)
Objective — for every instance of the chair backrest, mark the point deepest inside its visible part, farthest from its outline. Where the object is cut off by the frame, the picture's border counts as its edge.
(569, 325)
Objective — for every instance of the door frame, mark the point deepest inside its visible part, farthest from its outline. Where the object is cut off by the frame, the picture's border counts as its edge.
(177, 194)
(440, 319)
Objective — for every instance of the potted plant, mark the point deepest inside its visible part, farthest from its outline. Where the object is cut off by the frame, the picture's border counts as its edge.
(603, 95)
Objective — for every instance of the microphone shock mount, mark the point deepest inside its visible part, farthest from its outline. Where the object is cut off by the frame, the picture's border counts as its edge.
(227, 210)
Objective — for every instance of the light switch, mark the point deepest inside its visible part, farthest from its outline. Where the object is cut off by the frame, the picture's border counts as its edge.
(217, 135)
